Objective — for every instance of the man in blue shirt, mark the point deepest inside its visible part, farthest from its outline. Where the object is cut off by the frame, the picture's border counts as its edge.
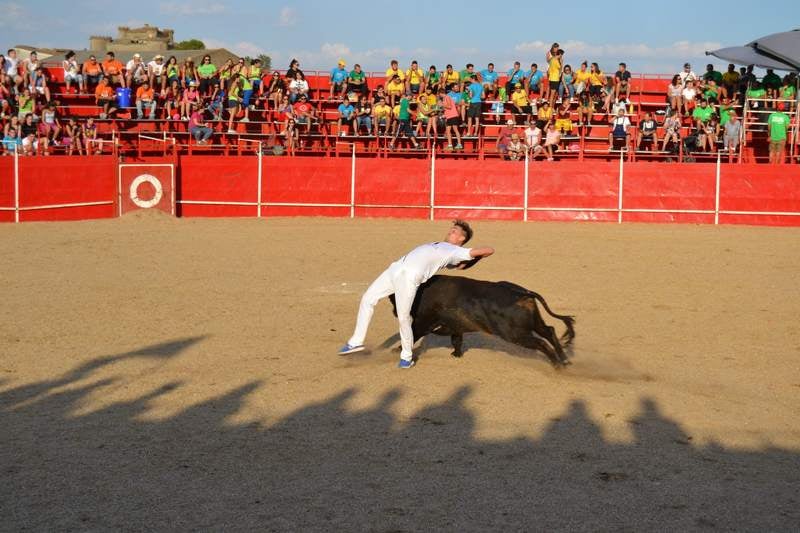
(489, 79)
(346, 115)
(533, 79)
(474, 110)
(515, 75)
(338, 77)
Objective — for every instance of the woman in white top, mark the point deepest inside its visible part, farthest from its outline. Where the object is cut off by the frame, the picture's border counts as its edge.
(675, 93)
(72, 72)
(297, 87)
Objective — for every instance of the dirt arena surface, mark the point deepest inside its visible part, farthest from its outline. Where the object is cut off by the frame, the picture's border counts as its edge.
(181, 374)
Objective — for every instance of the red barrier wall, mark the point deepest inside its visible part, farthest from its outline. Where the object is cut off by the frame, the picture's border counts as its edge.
(61, 180)
(6, 188)
(463, 188)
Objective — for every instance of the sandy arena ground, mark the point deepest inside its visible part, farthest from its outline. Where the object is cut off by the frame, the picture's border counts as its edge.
(163, 374)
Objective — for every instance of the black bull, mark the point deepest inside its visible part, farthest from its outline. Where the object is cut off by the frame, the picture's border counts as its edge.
(448, 305)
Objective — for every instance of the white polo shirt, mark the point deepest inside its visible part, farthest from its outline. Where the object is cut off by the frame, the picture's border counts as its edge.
(425, 260)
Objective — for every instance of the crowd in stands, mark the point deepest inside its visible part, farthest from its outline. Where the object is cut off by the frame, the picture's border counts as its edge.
(537, 110)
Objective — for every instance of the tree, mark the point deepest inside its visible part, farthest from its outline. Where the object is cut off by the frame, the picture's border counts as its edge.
(266, 61)
(191, 44)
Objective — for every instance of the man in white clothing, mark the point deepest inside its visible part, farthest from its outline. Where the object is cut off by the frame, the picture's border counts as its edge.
(404, 276)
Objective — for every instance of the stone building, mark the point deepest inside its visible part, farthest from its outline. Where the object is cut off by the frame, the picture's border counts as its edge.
(145, 39)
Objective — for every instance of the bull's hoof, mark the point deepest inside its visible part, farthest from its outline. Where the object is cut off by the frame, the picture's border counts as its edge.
(456, 354)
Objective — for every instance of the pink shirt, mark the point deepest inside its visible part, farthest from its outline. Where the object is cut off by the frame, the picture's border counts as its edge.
(195, 120)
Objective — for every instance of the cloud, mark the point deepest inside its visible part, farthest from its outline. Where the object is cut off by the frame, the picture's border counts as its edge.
(196, 7)
(622, 51)
(241, 48)
(287, 17)
(12, 14)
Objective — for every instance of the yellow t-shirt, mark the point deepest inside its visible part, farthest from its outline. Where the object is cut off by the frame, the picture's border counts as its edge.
(554, 70)
(545, 113)
(391, 72)
(519, 98)
(382, 111)
(597, 78)
(582, 76)
(415, 77)
(452, 77)
(395, 88)
(396, 111)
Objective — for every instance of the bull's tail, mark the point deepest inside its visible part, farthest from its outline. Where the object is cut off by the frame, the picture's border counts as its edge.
(569, 321)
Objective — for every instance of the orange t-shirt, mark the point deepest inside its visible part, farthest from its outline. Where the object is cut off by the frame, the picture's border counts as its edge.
(103, 92)
(92, 69)
(146, 95)
(112, 67)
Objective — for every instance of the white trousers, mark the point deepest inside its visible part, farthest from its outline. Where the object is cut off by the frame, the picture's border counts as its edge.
(394, 280)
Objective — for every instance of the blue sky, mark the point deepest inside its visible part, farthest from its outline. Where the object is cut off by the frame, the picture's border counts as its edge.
(650, 39)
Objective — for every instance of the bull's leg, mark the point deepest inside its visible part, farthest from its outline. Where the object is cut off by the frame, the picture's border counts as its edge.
(548, 333)
(458, 342)
(535, 342)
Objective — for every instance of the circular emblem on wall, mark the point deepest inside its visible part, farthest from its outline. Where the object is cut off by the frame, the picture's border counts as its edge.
(152, 180)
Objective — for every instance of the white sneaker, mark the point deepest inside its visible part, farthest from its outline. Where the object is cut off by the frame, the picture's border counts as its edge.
(232, 131)
(245, 119)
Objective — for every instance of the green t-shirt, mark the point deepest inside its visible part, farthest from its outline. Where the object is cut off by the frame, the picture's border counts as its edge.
(703, 113)
(465, 75)
(357, 77)
(713, 75)
(433, 77)
(206, 70)
(788, 92)
(756, 93)
(404, 114)
(725, 114)
(778, 122)
(771, 80)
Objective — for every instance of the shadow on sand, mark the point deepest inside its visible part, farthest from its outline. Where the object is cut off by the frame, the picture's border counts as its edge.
(326, 467)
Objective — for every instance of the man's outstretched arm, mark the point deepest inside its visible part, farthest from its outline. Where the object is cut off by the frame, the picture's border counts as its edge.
(477, 254)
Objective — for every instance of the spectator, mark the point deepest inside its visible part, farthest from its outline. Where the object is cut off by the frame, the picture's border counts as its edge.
(234, 100)
(172, 73)
(702, 114)
(426, 113)
(788, 93)
(452, 79)
(276, 90)
(72, 73)
(293, 70)
(585, 108)
(596, 81)
(254, 76)
(145, 99)
(567, 84)
(777, 124)
(733, 132)
(198, 128)
(304, 113)
(711, 91)
(188, 72)
(93, 143)
(688, 96)
(12, 143)
(515, 75)
(216, 100)
(393, 71)
(489, 80)
(730, 81)
(347, 115)
(475, 102)
(298, 87)
(378, 94)
(551, 141)
(622, 79)
(73, 137)
(190, 96)
(452, 119)
(711, 74)
(544, 116)
(520, 103)
(687, 75)
(672, 129)
(357, 81)
(771, 83)
(516, 148)
(619, 130)
(247, 93)
(533, 80)
(724, 110)
(466, 74)
(11, 65)
(105, 98)
(433, 79)
(457, 97)
(50, 126)
(564, 119)
(707, 135)
(39, 85)
(338, 78)
(504, 138)
(30, 135)
(112, 70)
(136, 71)
(5, 97)
(533, 139)
(757, 93)
(363, 115)
(285, 112)
(404, 124)
(648, 133)
(291, 134)
(25, 104)
(395, 88)
(173, 100)
(155, 72)
(555, 60)
(415, 79)
(382, 113)
(620, 104)
(675, 93)
(207, 73)
(582, 76)
(29, 66)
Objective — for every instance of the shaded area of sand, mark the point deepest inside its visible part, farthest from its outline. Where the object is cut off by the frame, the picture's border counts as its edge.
(159, 373)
